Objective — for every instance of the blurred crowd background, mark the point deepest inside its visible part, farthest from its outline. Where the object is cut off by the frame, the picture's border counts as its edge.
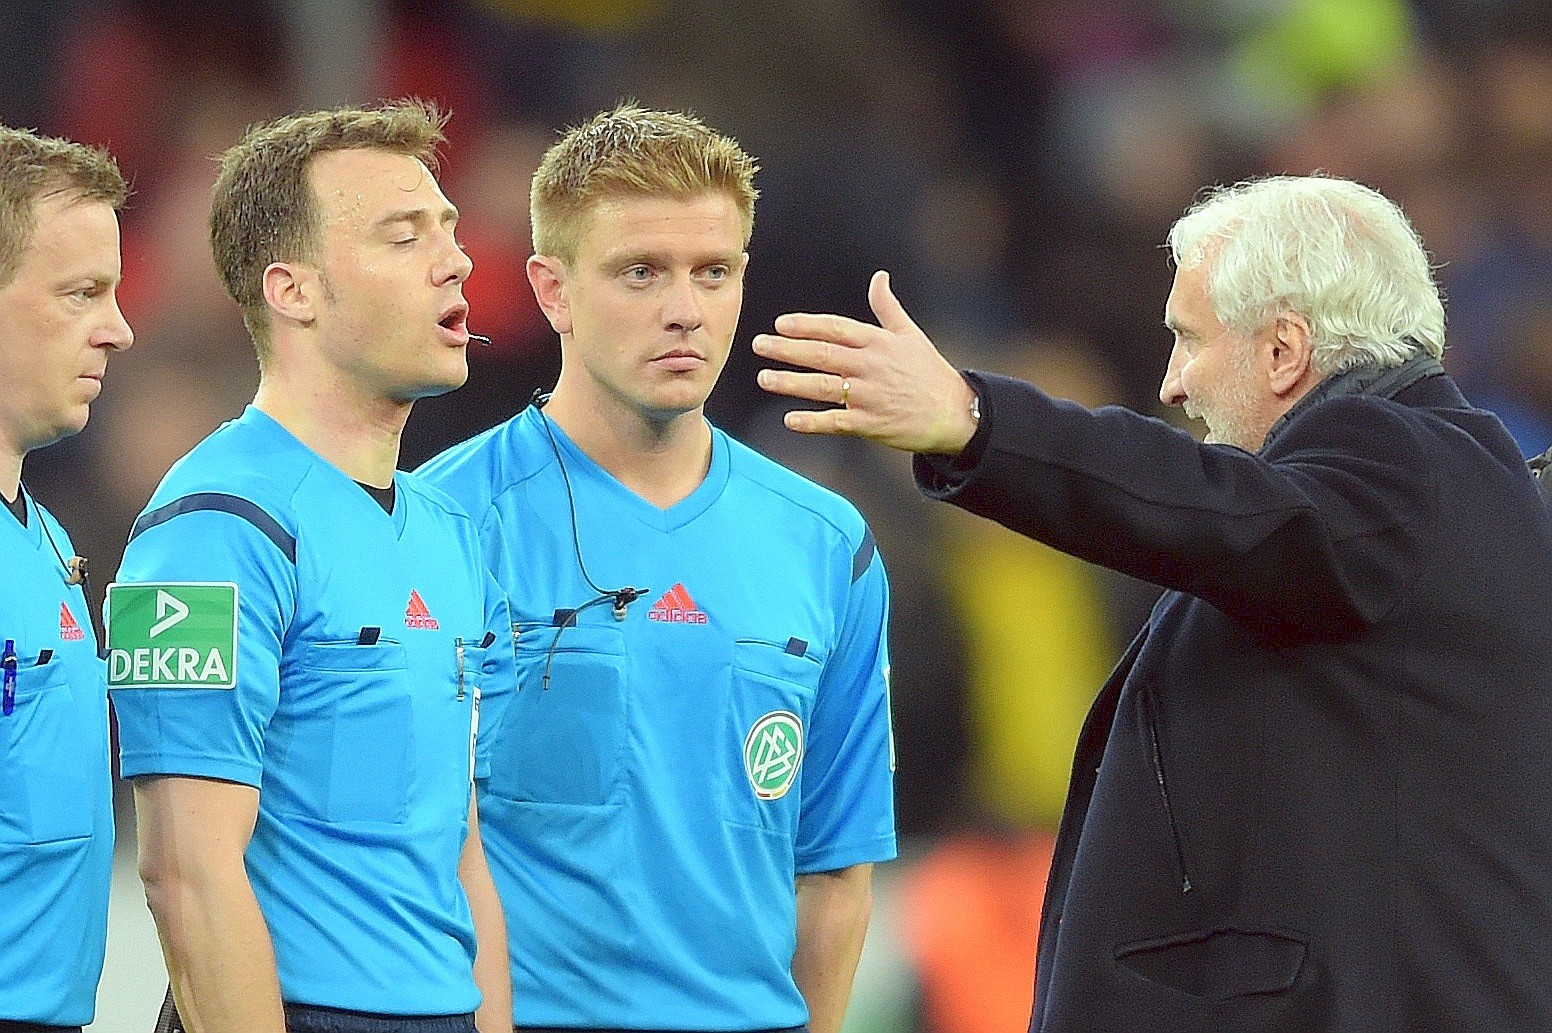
(1016, 165)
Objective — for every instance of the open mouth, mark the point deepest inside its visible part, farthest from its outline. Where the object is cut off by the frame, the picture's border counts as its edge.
(455, 319)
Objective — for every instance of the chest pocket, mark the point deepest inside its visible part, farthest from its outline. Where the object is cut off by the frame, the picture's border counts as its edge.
(351, 734)
(47, 758)
(765, 731)
(563, 738)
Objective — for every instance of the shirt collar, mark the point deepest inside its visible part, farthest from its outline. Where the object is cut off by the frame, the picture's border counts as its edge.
(1367, 379)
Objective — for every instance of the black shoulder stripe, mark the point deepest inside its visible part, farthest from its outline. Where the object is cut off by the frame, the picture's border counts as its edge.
(863, 556)
(221, 503)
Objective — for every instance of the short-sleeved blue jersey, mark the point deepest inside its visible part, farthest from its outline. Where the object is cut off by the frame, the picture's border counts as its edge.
(364, 641)
(56, 805)
(659, 781)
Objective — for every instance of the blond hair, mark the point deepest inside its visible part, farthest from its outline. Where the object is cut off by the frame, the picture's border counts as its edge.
(32, 167)
(633, 152)
(263, 209)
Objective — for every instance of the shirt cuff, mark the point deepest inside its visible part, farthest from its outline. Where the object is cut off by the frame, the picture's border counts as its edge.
(937, 473)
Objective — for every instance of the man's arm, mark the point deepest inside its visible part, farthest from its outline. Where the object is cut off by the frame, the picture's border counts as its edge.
(193, 833)
(492, 969)
(833, 912)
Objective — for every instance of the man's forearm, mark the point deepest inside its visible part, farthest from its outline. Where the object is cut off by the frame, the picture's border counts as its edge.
(833, 912)
(220, 962)
(216, 943)
(492, 967)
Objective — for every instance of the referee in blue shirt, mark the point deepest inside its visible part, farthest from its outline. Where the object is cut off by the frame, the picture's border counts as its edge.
(694, 778)
(59, 322)
(301, 638)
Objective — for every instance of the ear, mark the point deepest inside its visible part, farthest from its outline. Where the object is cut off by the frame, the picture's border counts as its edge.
(291, 291)
(1290, 355)
(547, 277)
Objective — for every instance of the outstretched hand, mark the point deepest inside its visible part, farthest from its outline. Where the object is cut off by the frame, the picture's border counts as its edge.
(889, 382)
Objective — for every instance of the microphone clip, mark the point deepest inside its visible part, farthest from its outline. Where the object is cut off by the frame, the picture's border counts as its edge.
(623, 598)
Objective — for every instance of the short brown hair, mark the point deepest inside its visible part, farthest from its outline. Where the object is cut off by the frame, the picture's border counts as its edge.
(262, 208)
(633, 152)
(33, 167)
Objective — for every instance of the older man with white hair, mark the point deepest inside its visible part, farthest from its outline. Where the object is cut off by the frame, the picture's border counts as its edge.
(1313, 795)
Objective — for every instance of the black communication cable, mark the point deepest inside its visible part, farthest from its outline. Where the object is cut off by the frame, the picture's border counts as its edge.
(620, 597)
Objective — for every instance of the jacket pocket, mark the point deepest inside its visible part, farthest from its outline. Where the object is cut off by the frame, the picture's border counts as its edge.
(563, 736)
(1218, 964)
(47, 760)
(1156, 755)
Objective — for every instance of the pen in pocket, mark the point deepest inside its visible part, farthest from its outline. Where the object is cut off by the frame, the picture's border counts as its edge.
(8, 667)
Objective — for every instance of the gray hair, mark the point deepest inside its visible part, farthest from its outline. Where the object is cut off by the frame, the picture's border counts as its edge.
(1339, 254)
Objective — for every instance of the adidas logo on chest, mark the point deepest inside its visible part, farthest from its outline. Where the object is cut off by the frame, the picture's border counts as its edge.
(676, 607)
(69, 629)
(417, 615)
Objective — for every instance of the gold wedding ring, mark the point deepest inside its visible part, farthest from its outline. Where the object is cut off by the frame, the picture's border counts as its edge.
(845, 391)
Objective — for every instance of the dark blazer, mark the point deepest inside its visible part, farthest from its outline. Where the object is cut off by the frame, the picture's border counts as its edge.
(1316, 793)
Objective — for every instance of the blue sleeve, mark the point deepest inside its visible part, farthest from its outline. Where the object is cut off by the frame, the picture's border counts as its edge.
(848, 814)
(210, 733)
(495, 547)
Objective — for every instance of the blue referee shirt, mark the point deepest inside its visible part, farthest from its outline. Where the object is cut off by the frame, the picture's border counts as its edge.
(56, 806)
(659, 781)
(364, 642)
